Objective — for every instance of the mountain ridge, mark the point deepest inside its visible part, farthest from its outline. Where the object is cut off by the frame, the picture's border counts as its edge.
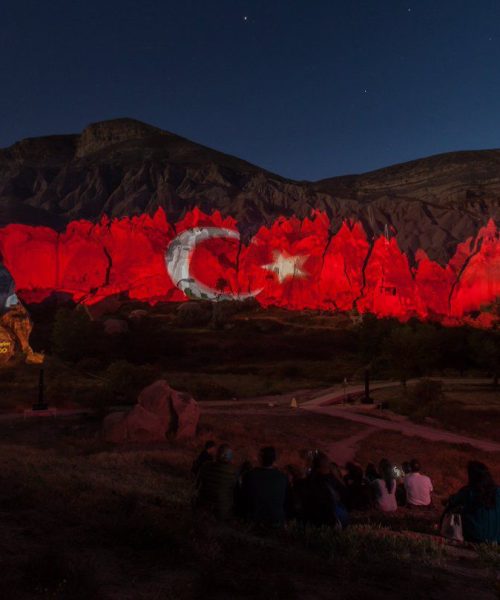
(125, 167)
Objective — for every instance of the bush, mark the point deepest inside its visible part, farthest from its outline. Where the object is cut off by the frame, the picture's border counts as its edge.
(362, 544)
(75, 336)
(208, 389)
(426, 392)
(426, 398)
(127, 380)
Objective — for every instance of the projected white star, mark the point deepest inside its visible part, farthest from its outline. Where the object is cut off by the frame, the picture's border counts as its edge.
(285, 266)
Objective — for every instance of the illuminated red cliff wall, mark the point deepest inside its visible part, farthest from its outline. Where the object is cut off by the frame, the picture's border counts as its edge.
(293, 263)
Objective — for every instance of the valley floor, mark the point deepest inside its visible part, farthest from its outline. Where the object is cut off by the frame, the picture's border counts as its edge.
(81, 519)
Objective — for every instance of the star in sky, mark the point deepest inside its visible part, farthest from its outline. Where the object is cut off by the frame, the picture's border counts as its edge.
(285, 266)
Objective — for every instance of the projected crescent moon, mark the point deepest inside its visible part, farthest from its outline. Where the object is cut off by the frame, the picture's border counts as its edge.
(178, 262)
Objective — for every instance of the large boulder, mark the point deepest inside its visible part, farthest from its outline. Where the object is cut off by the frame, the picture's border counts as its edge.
(186, 414)
(114, 428)
(144, 426)
(156, 399)
(115, 326)
(160, 411)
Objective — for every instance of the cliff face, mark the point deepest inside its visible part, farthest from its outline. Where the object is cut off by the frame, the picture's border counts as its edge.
(93, 215)
(124, 167)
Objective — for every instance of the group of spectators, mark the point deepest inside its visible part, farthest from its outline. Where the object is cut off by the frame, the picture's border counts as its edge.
(321, 494)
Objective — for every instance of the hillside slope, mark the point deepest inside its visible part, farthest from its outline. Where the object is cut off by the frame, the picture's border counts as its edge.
(125, 167)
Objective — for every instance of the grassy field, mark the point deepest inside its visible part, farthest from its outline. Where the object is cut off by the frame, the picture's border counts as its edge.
(80, 519)
(83, 520)
(469, 409)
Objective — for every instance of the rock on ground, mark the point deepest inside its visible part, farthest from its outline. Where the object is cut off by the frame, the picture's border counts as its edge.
(160, 411)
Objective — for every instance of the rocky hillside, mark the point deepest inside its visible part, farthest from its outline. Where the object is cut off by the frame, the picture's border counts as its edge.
(125, 167)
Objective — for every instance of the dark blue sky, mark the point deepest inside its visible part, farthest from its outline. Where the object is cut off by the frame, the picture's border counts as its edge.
(308, 89)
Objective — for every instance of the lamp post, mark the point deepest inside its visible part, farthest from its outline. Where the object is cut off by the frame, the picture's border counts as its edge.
(41, 405)
(367, 399)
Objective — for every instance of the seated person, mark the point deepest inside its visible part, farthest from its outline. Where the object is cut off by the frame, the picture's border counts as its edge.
(371, 473)
(206, 455)
(296, 489)
(216, 484)
(240, 501)
(322, 500)
(479, 504)
(264, 491)
(418, 487)
(384, 487)
(359, 496)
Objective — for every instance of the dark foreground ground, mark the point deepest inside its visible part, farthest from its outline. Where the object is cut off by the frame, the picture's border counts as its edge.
(82, 520)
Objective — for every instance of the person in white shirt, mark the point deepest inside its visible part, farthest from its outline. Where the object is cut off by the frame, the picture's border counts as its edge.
(418, 487)
(384, 487)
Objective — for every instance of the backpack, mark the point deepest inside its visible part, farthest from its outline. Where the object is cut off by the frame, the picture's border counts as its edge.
(451, 527)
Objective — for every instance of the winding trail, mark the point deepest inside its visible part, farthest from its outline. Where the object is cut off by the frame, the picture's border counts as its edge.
(330, 403)
(327, 401)
(344, 450)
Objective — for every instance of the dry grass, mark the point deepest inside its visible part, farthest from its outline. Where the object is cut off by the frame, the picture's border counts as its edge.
(292, 432)
(444, 463)
(471, 410)
(82, 520)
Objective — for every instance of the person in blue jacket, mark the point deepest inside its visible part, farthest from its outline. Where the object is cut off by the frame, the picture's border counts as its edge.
(479, 504)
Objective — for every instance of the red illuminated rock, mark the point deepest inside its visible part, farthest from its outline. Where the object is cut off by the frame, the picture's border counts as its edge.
(144, 426)
(91, 216)
(114, 428)
(296, 264)
(159, 411)
(157, 399)
(187, 414)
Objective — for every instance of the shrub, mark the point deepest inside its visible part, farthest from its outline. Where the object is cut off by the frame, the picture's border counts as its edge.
(74, 335)
(361, 544)
(126, 380)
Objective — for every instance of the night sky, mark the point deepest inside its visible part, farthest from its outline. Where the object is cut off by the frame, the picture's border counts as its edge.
(308, 89)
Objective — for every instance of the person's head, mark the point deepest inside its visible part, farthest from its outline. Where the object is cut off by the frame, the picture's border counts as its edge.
(246, 466)
(415, 466)
(293, 473)
(386, 473)
(385, 467)
(267, 456)
(481, 481)
(406, 466)
(371, 472)
(335, 470)
(354, 472)
(224, 454)
(321, 464)
(210, 447)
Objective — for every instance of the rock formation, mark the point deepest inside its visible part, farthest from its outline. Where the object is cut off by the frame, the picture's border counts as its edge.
(160, 411)
(345, 271)
(92, 215)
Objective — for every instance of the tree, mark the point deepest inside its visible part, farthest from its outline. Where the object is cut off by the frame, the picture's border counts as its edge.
(74, 335)
(401, 349)
(485, 349)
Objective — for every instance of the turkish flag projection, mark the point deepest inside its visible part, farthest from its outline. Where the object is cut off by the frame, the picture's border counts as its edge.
(294, 263)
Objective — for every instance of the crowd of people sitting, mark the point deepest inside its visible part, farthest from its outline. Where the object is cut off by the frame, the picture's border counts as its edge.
(321, 494)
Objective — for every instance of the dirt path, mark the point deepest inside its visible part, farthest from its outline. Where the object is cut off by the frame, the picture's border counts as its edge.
(325, 404)
(406, 428)
(344, 450)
